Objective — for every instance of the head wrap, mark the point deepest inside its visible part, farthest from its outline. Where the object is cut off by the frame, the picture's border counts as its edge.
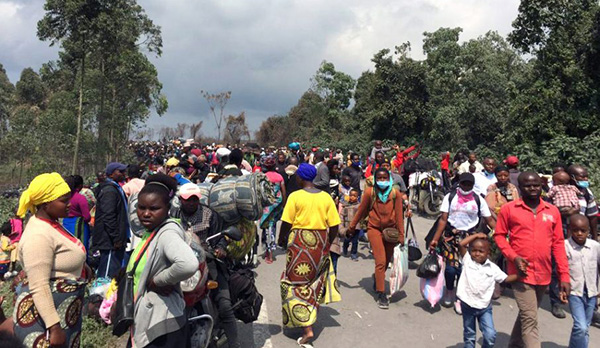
(306, 172)
(43, 188)
(172, 162)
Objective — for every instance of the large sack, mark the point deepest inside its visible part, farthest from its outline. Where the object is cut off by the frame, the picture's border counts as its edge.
(239, 197)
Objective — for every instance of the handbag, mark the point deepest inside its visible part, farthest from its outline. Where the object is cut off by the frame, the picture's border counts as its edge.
(414, 252)
(122, 317)
(391, 235)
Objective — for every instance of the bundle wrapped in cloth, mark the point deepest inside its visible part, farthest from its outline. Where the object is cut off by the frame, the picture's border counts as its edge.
(239, 197)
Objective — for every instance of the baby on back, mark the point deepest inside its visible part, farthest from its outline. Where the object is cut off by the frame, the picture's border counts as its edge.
(564, 195)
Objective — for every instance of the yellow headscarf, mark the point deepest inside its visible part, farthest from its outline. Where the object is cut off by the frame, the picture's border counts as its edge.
(42, 189)
(172, 162)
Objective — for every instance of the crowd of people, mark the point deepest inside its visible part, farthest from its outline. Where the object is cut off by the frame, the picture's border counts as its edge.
(498, 227)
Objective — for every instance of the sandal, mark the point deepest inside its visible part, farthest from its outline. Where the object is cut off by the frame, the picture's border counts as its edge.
(303, 345)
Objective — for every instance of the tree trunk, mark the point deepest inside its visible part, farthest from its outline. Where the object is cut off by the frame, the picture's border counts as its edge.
(79, 116)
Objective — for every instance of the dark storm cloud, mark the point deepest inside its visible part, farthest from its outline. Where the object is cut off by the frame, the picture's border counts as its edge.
(264, 51)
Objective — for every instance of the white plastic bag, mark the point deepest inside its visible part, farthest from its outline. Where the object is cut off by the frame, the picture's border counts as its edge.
(399, 274)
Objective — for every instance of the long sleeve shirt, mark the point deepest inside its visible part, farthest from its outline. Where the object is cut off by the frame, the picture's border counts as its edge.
(48, 254)
(534, 236)
(381, 215)
(79, 207)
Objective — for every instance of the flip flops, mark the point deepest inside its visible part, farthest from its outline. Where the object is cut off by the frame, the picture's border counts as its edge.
(304, 345)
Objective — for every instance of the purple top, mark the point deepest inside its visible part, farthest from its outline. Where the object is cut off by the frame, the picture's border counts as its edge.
(79, 207)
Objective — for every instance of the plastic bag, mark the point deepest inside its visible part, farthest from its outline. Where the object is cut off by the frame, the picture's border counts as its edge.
(430, 267)
(399, 274)
(432, 289)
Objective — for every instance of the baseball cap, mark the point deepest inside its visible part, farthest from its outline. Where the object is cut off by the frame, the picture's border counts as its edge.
(112, 166)
(511, 160)
(466, 177)
(188, 190)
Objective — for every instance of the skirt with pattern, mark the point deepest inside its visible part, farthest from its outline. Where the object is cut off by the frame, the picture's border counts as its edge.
(308, 279)
(68, 300)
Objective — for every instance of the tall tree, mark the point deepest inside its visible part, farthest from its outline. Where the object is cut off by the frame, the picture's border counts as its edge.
(7, 92)
(216, 104)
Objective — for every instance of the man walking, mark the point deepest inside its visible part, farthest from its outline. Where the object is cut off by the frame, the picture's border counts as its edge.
(111, 231)
(536, 235)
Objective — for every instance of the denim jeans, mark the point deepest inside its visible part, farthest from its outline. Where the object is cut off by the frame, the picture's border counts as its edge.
(111, 262)
(486, 325)
(354, 241)
(452, 274)
(582, 310)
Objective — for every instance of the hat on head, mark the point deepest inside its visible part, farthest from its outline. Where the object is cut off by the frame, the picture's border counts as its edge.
(188, 190)
(511, 161)
(112, 166)
(466, 177)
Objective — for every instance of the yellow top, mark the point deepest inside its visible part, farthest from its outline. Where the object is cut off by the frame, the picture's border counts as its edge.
(310, 211)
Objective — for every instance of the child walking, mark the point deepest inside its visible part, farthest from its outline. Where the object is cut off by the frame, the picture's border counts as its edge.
(347, 212)
(584, 259)
(476, 287)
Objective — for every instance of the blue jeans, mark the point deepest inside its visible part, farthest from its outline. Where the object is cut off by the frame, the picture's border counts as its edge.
(452, 274)
(486, 325)
(354, 241)
(582, 310)
(111, 262)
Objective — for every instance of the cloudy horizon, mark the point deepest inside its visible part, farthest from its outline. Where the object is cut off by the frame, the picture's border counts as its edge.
(264, 51)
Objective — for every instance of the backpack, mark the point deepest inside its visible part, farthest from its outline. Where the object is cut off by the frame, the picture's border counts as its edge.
(244, 295)
(475, 195)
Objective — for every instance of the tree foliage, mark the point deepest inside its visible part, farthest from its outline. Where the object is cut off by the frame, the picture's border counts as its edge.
(236, 128)
(86, 104)
(535, 94)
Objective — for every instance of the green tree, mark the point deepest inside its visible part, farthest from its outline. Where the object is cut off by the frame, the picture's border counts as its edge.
(7, 94)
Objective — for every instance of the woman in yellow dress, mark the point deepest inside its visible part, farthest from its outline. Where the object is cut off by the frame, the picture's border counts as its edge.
(310, 223)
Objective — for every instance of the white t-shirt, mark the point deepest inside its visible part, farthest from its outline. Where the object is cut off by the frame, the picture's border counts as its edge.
(477, 282)
(464, 217)
(483, 181)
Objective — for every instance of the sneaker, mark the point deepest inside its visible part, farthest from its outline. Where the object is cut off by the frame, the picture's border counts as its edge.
(448, 298)
(558, 312)
(354, 258)
(596, 318)
(255, 260)
(345, 253)
(382, 301)
(457, 308)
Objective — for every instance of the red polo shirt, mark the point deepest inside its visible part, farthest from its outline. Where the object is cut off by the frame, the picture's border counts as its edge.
(534, 237)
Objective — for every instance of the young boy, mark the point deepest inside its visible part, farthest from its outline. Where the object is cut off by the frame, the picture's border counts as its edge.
(347, 212)
(584, 259)
(476, 287)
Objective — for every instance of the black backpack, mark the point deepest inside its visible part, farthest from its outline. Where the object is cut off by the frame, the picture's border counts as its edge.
(244, 295)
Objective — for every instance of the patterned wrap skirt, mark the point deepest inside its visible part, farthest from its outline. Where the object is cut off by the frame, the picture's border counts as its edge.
(68, 300)
(308, 280)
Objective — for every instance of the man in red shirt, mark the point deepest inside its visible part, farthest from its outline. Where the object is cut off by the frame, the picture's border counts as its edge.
(535, 231)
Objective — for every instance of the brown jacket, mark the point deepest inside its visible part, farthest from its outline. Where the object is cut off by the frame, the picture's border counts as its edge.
(382, 215)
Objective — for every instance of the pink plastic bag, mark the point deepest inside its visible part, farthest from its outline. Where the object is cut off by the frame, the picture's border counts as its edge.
(432, 289)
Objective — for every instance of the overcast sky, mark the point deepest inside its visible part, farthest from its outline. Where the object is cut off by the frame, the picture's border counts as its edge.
(264, 51)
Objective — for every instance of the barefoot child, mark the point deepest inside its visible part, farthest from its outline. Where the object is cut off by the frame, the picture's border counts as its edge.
(476, 287)
(584, 259)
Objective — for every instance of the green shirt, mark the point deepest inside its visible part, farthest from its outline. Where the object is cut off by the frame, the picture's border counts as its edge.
(142, 264)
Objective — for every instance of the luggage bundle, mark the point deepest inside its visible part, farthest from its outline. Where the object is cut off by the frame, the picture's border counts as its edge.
(234, 198)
